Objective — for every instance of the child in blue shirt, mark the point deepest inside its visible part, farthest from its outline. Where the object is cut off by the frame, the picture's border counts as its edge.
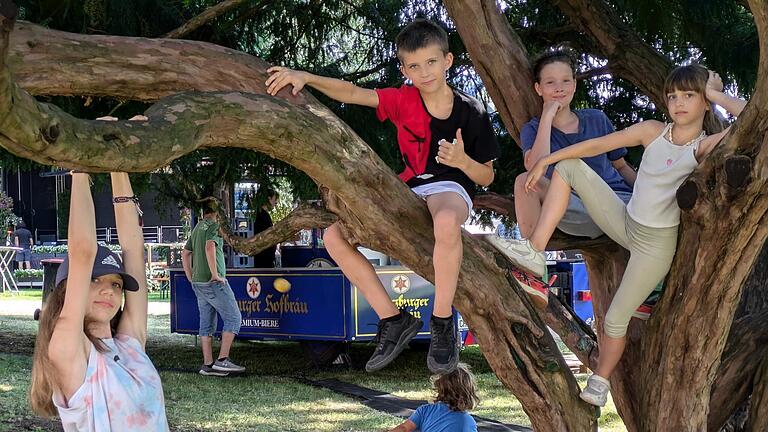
(456, 394)
(558, 127)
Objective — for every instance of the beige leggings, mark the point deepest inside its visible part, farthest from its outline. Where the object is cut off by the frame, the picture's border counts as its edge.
(650, 249)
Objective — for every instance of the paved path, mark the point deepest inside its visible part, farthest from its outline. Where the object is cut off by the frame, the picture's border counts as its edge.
(27, 307)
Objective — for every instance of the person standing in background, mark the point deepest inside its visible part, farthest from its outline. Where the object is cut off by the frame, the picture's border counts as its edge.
(265, 258)
(22, 238)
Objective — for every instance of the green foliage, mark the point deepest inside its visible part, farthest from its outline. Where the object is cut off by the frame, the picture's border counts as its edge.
(354, 40)
(27, 274)
(7, 217)
(62, 248)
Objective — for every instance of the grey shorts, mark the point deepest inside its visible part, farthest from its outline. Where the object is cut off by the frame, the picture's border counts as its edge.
(24, 255)
(577, 221)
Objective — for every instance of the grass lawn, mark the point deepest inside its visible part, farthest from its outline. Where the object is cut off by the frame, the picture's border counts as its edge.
(272, 396)
(23, 294)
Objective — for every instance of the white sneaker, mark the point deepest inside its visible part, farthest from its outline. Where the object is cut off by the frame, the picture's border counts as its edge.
(521, 253)
(596, 391)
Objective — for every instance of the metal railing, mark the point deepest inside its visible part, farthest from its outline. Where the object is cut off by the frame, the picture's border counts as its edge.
(152, 234)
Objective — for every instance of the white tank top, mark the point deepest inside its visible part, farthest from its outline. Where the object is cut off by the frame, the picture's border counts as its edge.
(662, 170)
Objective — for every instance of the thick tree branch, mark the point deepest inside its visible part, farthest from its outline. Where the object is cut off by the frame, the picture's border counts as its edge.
(204, 17)
(573, 331)
(305, 134)
(499, 58)
(628, 55)
(302, 217)
(503, 205)
(127, 68)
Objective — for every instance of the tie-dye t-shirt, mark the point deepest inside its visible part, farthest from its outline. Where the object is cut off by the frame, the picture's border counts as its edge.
(122, 392)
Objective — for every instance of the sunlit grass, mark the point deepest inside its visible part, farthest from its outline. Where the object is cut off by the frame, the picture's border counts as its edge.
(273, 395)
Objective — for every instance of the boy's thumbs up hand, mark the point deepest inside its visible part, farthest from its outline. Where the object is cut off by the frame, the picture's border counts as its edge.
(452, 154)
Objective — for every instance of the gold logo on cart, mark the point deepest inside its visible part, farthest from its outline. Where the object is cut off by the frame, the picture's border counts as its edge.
(401, 284)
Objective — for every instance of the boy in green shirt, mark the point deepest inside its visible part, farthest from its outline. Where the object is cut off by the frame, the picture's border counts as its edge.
(203, 262)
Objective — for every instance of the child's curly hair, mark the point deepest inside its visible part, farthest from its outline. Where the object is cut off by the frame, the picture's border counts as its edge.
(457, 389)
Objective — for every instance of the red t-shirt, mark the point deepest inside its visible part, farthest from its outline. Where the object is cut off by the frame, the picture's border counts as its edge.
(418, 134)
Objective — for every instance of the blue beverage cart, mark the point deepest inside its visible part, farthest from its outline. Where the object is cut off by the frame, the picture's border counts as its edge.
(311, 300)
(572, 287)
(306, 303)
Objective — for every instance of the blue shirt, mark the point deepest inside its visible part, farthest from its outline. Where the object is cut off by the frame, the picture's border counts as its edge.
(592, 124)
(438, 417)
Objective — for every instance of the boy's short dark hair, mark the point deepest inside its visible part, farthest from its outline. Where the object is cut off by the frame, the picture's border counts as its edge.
(209, 207)
(557, 54)
(419, 34)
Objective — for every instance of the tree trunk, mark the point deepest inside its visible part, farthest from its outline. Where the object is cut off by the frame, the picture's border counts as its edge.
(758, 407)
(747, 341)
(299, 131)
(664, 379)
(499, 58)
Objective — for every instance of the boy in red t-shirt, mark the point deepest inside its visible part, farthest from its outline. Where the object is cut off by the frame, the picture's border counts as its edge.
(448, 146)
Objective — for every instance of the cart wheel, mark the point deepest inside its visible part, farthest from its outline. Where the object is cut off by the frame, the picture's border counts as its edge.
(36, 315)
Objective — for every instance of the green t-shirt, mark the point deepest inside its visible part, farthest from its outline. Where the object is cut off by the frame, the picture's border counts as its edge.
(205, 230)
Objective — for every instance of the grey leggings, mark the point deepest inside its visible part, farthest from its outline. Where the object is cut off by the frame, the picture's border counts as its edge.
(650, 249)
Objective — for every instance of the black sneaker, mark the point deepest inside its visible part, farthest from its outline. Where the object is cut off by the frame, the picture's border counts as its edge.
(393, 335)
(443, 356)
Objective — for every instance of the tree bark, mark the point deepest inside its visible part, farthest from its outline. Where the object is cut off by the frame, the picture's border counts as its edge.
(144, 69)
(686, 338)
(499, 58)
(758, 407)
(303, 217)
(307, 135)
(628, 55)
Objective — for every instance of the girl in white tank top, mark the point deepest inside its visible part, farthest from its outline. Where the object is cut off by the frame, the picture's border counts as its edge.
(90, 365)
(647, 226)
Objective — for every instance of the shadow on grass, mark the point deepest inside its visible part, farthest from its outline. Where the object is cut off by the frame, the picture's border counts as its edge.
(268, 397)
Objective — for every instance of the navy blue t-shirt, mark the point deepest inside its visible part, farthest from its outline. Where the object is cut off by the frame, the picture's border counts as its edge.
(592, 124)
(438, 417)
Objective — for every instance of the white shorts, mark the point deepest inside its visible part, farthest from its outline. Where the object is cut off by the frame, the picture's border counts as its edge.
(444, 186)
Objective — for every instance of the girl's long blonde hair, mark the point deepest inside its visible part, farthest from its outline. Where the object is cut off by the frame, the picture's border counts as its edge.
(457, 389)
(694, 78)
(43, 373)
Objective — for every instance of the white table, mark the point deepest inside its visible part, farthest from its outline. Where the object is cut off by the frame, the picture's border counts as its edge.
(6, 259)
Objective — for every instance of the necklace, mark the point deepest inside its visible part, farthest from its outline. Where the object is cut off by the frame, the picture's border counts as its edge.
(701, 136)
